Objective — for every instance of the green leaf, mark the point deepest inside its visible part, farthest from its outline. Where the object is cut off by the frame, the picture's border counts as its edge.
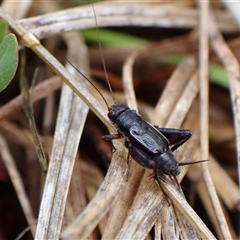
(8, 60)
(218, 75)
(3, 29)
(111, 38)
(172, 59)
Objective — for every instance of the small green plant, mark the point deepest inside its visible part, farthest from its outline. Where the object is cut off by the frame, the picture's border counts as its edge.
(111, 38)
(8, 55)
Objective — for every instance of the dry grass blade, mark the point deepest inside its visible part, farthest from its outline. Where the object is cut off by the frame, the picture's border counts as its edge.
(117, 14)
(136, 226)
(204, 106)
(203, 80)
(168, 223)
(87, 196)
(28, 108)
(225, 186)
(11, 131)
(234, 9)
(188, 212)
(181, 108)
(185, 154)
(66, 140)
(232, 67)
(144, 212)
(61, 165)
(203, 193)
(40, 91)
(109, 190)
(18, 184)
(31, 41)
(187, 231)
(183, 72)
(175, 120)
(18, 10)
(128, 81)
(142, 215)
(22, 233)
(118, 215)
(184, 103)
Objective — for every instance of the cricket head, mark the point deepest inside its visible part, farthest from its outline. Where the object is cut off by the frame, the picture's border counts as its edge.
(116, 110)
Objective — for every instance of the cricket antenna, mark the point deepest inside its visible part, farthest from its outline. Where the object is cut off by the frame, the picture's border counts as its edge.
(101, 54)
(90, 83)
(189, 163)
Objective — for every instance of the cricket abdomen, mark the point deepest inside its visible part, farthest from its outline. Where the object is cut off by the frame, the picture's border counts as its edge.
(167, 163)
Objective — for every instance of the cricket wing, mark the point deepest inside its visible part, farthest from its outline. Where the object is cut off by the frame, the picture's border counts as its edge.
(149, 138)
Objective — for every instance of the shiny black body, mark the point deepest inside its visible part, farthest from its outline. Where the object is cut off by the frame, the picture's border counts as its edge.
(148, 145)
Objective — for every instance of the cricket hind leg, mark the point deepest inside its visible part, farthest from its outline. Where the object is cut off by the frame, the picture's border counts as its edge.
(176, 137)
(174, 179)
(159, 177)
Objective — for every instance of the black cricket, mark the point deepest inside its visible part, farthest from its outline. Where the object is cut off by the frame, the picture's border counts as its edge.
(148, 145)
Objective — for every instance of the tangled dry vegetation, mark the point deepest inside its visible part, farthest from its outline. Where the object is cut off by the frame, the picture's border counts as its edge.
(88, 192)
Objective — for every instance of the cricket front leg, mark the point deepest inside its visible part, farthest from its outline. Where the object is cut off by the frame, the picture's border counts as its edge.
(111, 137)
(176, 137)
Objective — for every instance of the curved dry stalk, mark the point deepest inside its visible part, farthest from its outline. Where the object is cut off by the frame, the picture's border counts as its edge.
(174, 87)
(168, 223)
(188, 212)
(180, 111)
(234, 8)
(148, 213)
(204, 196)
(204, 120)
(118, 14)
(204, 91)
(40, 91)
(109, 190)
(18, 10)
(18, 184)
(203, 80)
(232, 67)
(184, 103)
(66, 140)
(21, 137)
(28, 109)
(120, 211)
(144, 212)
(128, 81)
(142, 215)
(31, 41)
(76, 200)
(187, 231)
(227, 189)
